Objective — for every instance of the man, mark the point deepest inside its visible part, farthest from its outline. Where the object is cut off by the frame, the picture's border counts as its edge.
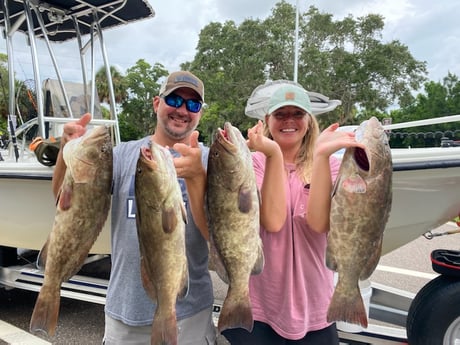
(129, 311)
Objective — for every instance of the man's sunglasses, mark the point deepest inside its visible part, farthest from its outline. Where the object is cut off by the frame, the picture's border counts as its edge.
(176, 101)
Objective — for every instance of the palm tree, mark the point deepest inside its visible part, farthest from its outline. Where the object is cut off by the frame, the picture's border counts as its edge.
(119, 85)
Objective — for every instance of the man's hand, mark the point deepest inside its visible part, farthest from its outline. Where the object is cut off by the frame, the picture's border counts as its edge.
(75, 129)
(189, 165)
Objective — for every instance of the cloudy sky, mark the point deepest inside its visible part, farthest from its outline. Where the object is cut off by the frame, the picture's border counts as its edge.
(429, 29)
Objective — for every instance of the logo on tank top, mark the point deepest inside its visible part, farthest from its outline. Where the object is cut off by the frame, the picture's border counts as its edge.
(131, 201)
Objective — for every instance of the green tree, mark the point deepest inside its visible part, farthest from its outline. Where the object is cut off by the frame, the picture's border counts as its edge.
(118, 82)
(343, 59)
(229, 61)
(438, 99)
(351, 63)
(142, 82)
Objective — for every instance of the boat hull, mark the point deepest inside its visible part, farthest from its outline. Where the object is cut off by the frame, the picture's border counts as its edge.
(426, 194)
(422, 201)
(27, 208)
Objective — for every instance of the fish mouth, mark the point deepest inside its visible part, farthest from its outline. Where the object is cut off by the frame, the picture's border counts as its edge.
(361, 159)
(225, 140)
(149, 158)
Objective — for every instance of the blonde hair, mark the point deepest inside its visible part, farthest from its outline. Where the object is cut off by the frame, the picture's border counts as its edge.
(304, 158)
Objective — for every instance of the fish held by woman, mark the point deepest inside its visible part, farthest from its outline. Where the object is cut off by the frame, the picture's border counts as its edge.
(360, 209)
(232, 201)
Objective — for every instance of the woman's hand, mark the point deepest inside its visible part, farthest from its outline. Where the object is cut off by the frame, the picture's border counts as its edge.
(257, 141)
(331, 140)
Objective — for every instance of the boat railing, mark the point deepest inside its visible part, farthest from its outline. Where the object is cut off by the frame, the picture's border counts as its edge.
(60, 21)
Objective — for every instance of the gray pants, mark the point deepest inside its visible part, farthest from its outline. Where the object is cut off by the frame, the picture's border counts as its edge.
(196, 330)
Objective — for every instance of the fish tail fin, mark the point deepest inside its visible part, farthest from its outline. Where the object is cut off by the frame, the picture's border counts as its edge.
(348, 307)
(46, 311)
(164, 329)
(236, 312)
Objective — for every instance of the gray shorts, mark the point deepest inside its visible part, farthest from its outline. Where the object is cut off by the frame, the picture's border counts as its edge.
(196, 330)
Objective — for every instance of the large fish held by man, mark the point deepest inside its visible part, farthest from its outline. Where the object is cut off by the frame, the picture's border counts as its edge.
(83, 205)
(232, 202)
(161, 219)
(361, 204)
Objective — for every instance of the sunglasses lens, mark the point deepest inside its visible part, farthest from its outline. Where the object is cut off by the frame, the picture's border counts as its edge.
(176, 101)
(193, 105)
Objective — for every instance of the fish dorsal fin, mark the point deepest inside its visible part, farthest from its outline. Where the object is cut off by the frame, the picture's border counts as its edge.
(244, 199)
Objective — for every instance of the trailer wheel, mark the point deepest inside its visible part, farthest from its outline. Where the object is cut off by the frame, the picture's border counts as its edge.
(434, 315)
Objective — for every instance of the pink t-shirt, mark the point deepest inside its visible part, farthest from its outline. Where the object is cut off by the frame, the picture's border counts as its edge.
(293, 292)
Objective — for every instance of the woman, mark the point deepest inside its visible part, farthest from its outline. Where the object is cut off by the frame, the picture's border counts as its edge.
(291, 296)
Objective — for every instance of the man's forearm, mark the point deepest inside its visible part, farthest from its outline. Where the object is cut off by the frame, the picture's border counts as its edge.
(196, 189)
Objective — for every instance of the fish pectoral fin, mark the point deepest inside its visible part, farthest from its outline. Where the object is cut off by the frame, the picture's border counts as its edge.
(354, 184)
(168, 220)
(65, 196)
(244, 199)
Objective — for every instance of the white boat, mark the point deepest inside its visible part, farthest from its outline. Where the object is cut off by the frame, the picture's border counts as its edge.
(27, 205)
(426, 182)
(426, 193)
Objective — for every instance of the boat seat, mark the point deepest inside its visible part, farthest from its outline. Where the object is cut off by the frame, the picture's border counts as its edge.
(46, 150)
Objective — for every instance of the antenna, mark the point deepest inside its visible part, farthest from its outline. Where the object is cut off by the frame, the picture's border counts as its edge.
(296, 43)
